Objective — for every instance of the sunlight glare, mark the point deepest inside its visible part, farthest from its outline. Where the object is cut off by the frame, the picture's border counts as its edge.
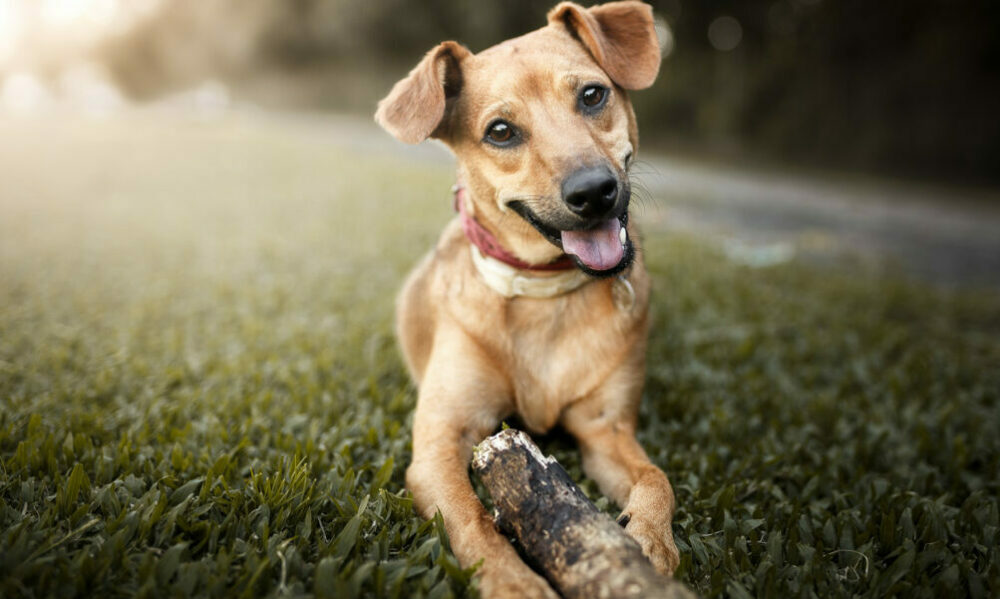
(10, 30)
(71, 12)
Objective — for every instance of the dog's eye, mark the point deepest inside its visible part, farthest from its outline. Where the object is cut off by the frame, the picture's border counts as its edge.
(500, 133)
(592, 97)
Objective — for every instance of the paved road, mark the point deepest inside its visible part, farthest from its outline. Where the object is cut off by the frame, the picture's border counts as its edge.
(951, 236)
(946, 235)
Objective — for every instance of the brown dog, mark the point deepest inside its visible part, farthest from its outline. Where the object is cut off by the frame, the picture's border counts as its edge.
(535, 300)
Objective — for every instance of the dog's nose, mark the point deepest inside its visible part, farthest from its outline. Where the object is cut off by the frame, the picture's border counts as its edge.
(590, 191)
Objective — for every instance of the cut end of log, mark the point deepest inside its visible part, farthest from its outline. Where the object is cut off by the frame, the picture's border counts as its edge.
(506, 440)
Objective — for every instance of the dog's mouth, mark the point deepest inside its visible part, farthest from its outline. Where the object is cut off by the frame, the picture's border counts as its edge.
(602, 249)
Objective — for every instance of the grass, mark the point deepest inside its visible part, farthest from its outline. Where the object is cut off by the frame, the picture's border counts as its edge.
(200, 392)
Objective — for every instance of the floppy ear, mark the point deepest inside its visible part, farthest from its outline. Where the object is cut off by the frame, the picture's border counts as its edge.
(619, 35)
(415, 107)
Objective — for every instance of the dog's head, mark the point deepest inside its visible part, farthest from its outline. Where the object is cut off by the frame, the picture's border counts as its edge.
(542, 128)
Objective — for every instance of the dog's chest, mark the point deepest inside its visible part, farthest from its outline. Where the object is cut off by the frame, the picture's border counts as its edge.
(561, 351)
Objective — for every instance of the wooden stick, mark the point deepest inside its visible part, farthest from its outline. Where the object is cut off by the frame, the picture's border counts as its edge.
(582, 551)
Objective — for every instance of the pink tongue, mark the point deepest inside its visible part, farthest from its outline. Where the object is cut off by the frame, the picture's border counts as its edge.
(598, 249)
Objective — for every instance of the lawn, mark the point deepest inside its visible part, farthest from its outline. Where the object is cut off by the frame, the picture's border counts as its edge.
(200, 392)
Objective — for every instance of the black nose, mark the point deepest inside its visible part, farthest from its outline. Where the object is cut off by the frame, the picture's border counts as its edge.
(590, 191)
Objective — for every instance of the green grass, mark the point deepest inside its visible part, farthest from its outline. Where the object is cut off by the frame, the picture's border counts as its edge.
(200, 393)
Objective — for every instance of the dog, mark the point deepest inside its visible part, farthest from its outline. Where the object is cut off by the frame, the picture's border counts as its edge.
(535, 300)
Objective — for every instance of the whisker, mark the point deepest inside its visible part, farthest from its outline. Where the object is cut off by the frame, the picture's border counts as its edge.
(643, 196)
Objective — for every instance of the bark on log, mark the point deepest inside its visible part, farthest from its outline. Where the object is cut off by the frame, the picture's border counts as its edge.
(582, 551)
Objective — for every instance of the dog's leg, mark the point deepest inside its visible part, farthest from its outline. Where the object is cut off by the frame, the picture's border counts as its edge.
(462, 399)
(604, 425)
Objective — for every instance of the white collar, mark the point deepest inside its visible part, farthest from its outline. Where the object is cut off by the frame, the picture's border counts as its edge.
(512, 282)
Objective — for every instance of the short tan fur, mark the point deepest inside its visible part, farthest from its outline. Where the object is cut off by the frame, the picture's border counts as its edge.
(576, 360)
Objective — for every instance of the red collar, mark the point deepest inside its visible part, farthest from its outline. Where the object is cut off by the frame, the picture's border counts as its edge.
(490, 246)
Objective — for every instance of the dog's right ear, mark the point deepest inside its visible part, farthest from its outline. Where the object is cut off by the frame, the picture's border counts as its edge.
(415, 108)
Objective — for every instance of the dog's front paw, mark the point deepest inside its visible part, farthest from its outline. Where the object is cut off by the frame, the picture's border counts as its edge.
(656, 540)
(517, 581)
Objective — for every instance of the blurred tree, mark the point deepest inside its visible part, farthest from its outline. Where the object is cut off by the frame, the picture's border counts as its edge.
(906, 86)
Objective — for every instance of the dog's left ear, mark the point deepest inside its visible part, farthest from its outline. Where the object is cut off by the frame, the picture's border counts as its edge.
(415, 108)
(619, 35)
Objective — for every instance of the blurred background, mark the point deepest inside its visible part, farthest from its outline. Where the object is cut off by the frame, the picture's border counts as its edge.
(766, 114)
(907, 88)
